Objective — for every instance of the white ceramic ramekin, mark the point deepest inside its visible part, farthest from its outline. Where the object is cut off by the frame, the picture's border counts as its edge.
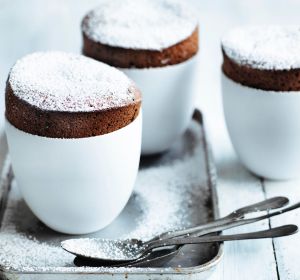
(264, 127)
(76, 186)
(167, 103)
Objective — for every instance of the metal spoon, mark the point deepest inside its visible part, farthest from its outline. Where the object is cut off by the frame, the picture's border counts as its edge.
(105, 249)
(214, 226)
(165, 255)
(159, 257)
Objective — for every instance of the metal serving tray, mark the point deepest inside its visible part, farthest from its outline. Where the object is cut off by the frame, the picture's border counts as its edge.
(173, 190)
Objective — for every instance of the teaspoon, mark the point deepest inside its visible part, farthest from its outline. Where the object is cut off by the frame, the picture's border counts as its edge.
(116, 250)
(233, 219)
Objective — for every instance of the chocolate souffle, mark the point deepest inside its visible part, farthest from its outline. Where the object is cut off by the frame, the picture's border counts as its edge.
(63, 95)
(140, 33)
(263, 57)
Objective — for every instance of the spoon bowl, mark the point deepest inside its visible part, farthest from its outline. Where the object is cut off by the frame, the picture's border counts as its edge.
(104, 249)
(154, 259)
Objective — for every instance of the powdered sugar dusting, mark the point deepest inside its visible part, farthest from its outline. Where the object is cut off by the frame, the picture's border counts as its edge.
(140, 24)
(20, 249)
(169, 194)
(264, 47)
(58, 81)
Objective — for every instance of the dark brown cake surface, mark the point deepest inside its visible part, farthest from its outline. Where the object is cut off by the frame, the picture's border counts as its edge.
(140, 33)
(263, 57)
(62, 95)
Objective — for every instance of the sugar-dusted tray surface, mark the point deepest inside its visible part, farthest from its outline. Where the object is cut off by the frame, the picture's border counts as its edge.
(171, 192)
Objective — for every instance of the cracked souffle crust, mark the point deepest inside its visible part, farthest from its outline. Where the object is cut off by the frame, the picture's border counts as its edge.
(140, 33)
(63, 95)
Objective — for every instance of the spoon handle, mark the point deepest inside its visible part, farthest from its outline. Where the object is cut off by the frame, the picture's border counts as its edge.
(268, 204)
(270, 233)
(223, 224)
(235, 223)
(265, 205)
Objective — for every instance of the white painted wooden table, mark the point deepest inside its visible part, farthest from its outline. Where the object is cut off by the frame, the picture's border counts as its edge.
(32, 25)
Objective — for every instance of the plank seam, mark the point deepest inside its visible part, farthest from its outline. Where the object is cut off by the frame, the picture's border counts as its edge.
(270, 226)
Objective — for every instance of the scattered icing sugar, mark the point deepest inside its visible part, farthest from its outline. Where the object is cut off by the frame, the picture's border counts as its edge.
(36, 252)
(19, 248)
(264, 47)
(140, 24)
(170, 195)
(58, 81)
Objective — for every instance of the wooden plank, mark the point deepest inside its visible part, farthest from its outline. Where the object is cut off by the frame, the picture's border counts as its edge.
(236, 186)
(287, 249)
(244, 259)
